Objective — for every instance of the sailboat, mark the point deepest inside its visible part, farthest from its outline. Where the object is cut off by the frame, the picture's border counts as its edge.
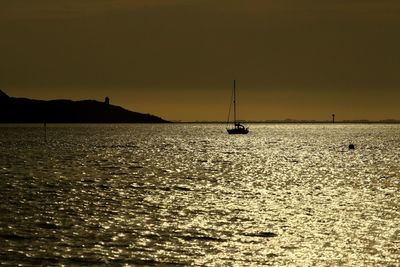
(238, 128)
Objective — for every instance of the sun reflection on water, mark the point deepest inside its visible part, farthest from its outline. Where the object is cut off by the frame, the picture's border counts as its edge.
(132, 195)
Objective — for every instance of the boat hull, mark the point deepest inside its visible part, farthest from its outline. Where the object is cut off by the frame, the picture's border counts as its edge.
(238, 131)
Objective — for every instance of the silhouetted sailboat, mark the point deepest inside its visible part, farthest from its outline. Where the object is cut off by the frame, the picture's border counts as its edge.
(238, 128)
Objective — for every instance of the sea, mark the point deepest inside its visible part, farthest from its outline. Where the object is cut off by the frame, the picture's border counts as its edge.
(192, 195)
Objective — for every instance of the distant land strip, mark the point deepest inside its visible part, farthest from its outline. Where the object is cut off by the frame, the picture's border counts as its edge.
(23, 110)
(388, 121)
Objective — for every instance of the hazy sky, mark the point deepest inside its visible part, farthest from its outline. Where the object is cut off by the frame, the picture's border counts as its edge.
(300, 59)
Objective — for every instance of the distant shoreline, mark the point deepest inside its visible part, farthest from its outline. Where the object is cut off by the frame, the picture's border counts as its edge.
(192, 122)
(298, 122)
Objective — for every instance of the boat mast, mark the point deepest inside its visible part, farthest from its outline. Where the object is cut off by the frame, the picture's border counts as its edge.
(234, 102)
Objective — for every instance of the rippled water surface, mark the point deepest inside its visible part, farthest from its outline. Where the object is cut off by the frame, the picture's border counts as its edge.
(190, 194)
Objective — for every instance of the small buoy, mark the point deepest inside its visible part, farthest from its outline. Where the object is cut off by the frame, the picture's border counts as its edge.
(351, 146)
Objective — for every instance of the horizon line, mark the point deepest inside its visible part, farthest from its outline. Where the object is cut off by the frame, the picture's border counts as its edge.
(394, 121)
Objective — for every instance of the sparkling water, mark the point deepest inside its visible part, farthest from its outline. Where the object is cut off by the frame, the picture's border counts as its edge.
(190, 194)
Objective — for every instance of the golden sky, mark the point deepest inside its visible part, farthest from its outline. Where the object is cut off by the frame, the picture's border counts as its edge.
(299, 59)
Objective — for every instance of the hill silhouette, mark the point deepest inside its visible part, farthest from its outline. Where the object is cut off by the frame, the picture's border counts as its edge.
(23, 110)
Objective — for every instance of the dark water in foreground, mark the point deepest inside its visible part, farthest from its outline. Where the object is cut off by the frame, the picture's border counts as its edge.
(158, 195)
